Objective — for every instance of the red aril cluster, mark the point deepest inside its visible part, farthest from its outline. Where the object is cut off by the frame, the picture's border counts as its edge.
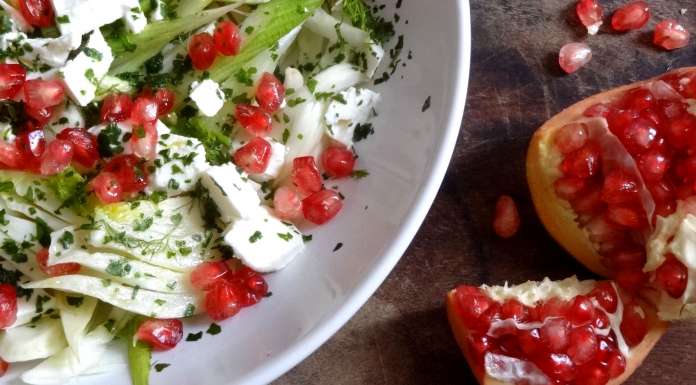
(228, 291)
(57, 269)
(254, 120)
(38, 13)
(160, 334)
(307, 194)
(121, 177)
(8, 305)
(570, 341)
(203, 47)
(270, 93)
(84, 144)
(116, 108)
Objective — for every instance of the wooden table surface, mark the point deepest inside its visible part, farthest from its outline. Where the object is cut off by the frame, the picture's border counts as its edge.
(401, 335)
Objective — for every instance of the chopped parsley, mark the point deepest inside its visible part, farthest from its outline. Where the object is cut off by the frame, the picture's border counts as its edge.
(192, 337)
(255, 237)
(214, 329)
(75, 301)
(161, 366)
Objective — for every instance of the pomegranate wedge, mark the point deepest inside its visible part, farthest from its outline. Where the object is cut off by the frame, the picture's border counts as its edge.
(613, 179)
(565, 332)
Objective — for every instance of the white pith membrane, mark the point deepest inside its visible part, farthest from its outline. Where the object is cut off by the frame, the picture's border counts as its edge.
(531, 293)
(675, 234)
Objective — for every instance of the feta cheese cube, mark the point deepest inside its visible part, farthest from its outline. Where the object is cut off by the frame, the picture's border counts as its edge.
(135, 20)
(234, 196)
(179, 164)
(263, 242)
(36, 52)
(208, 97)
(78, 17)
(68, 117)
(343, 116)
(83, 73)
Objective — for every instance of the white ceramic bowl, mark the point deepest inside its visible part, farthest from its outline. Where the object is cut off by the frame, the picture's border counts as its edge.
(407, 158)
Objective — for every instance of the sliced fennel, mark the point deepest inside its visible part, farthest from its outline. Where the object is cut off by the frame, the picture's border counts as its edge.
(37, 194)
(34, 341)
(18, 244)
(133, 299)
(75, 314)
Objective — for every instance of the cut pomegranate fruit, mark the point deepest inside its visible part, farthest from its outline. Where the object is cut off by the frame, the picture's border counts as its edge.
(624, 208)
(573, 56)
(160, 334)
(555, 341)
(57, 269)
(12, 78)
(116, 108)
(227, 38)
(270, 93)
(201, 50)
(8, 305)
(671, 35)
(506, 221)
(631, 16)
(590, 14)
(254, 156)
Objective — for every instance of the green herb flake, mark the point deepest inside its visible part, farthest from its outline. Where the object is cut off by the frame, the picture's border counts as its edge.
(255, 237)
(214, 329)
(192, 337)
(75, 301)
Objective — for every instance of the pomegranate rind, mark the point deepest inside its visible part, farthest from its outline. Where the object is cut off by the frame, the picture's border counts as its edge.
(542, 171)
(656, 329)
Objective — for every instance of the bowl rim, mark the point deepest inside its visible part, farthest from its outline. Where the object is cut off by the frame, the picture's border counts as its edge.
(298, 352)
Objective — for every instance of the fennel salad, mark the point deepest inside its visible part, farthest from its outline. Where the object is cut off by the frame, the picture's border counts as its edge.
(158, 157)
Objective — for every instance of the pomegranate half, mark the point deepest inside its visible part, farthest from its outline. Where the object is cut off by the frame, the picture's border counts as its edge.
(564, 332)
(613, 179)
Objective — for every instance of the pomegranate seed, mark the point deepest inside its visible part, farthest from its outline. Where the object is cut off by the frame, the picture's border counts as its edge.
(583, 345)
(631, 257)
(633, 326)
(322, 206)
(201, 50)
(592, 374)
(38, 13)
(84, 144)
(207, 273)
(306, 176)
(555, 334)
(573, 56)
(144, 141)
(569, 188)
(4, 367)
(639, 136)
(12, 78)
(227, 38)
(10, 156)
(631, 16)
(597, 110)
(338, 161)
(619, 120)
(57, 157)
(479, 345)
(116, 108)
(530, 342)
(601, 320)
(161, 334)
(270, 93)
(653, 166)
(506, 221)
(472, 303)
(637, 99)
(570, 137)
(616, 364)
(8, 305)
(253, 119)
(672, 276)
(41, 117)
(581, 311)
(553, 307)
(582, 163)
(670, 35)
(145, 110)
(107, 187)
(254, 285)
(590, 14)
(605, 294)
(620, 187)
(32, 145)
(287, 204)
(590, 202)
(254, 156)
(40, 94)
(557, 366)
(130, 172)
(513, 309)
(222, 300)
(631, 280)
(626, 215)
(165, 99)
(679, 131)
(57, 269)
(600, 229)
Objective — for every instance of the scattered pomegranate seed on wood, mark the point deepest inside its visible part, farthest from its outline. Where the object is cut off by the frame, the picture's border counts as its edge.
(671, 35)
(507, 218)
(573, 56)
(631, 16)
(590, 14)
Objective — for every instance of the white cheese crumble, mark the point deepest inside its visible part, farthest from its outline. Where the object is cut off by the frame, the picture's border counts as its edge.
(232, 192)
(352, 107)
(69, 116)
(263, 242)
(78, 17)
(34, 52)
(208, 97)
(135, 20)
(179, 163)
(83, 73)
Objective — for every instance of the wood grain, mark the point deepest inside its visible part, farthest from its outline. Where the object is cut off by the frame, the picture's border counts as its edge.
(401, 336)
